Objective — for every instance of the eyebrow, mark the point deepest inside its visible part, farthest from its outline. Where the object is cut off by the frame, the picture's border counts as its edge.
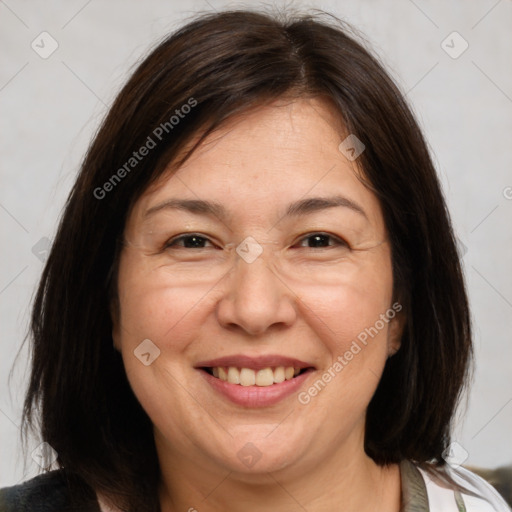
(296, 209)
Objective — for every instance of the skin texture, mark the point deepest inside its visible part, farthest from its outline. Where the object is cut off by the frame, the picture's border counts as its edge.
(294, 300)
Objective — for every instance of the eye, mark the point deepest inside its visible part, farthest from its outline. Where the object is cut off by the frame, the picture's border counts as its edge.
(320, 240)
(190, 241)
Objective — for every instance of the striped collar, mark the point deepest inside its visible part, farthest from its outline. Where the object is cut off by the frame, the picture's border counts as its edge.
(414, 490)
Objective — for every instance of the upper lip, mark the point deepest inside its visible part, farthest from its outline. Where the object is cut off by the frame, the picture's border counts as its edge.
(254, 362)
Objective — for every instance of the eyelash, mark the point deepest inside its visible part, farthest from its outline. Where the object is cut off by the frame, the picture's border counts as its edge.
(172, 242)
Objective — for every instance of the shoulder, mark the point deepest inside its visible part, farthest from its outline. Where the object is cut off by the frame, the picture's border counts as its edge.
(475, 494)
(48, 492)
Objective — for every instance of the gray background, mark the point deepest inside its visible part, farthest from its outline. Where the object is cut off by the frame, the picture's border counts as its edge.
(51, 107)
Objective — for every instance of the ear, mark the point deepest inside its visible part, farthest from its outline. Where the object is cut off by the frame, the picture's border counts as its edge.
(115, 318)
(396, 330)
(113, 296)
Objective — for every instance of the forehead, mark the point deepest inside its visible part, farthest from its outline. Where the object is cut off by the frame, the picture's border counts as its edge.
(271, 155)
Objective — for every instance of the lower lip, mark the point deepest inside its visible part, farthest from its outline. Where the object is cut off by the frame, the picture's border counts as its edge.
(256, 396)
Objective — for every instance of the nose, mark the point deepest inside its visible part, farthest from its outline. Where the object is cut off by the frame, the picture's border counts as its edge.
(256, 299)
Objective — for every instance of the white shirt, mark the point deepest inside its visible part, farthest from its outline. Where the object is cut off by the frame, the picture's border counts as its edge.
(442, 499)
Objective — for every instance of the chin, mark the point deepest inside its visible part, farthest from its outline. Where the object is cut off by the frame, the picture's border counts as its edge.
(259, 455)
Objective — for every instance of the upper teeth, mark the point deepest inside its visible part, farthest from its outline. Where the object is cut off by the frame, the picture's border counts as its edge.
(249, 377)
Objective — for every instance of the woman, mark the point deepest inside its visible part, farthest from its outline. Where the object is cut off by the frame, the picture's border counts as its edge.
(254, 299)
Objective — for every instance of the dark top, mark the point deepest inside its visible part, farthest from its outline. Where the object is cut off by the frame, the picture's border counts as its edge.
(44, 493)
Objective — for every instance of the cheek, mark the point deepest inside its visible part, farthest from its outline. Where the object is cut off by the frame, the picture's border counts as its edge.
(347, 318)
(153, 307)
(351, 305)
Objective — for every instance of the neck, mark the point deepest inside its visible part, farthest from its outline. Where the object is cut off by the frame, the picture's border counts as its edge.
(358, 485)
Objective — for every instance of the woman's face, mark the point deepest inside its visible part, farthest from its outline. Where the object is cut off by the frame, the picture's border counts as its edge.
(262, 257)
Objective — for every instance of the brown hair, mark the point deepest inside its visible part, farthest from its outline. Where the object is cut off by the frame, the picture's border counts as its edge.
(227, 63)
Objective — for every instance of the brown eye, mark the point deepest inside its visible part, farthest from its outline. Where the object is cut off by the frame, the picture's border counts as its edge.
(192, 241)
(320, 240)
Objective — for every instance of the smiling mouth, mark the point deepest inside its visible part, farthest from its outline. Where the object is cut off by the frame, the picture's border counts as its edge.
(249, 377)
